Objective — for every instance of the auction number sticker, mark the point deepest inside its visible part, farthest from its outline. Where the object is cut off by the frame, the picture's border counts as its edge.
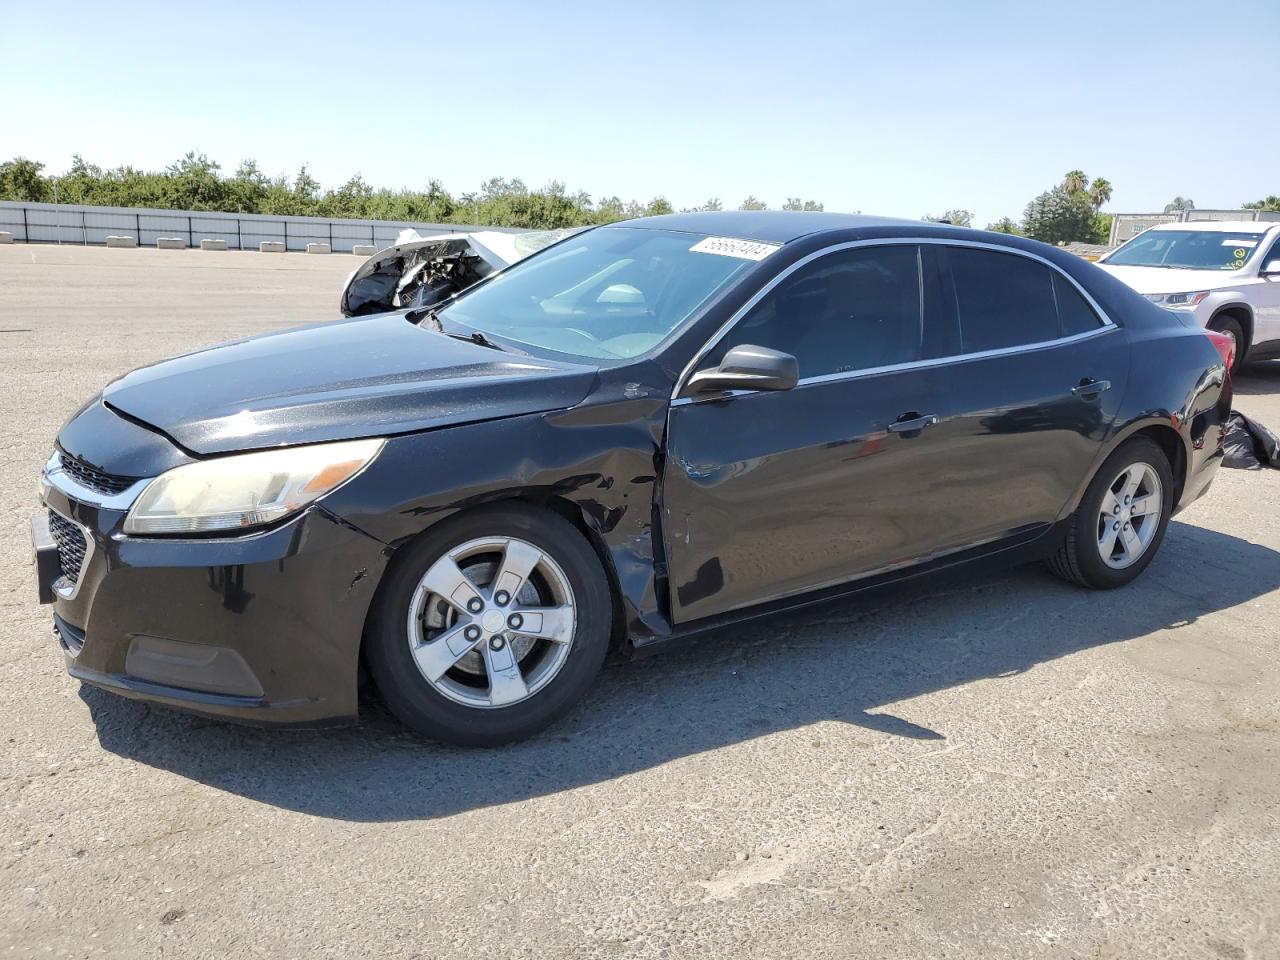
(729, 247)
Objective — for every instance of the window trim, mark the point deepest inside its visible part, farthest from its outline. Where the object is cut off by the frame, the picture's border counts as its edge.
(1106, 326)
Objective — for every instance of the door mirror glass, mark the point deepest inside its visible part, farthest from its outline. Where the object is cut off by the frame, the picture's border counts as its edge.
(748, 367)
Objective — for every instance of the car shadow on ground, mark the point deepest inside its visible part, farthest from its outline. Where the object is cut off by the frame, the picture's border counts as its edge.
(1257, 379)
(848, 662)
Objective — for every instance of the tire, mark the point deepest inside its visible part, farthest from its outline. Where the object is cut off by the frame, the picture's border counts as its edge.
(1084, 557)
(1231, 327)
(415, 631)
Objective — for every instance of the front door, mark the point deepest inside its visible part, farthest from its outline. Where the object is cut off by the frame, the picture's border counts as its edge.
(772, 493)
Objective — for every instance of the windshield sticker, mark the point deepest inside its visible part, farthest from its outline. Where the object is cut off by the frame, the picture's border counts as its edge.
(1238, 253)
(728, 247)
(1237, 242)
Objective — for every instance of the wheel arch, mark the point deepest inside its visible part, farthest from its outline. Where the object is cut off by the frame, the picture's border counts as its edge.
(1164, 434)
(566, 509)
(1242, 313)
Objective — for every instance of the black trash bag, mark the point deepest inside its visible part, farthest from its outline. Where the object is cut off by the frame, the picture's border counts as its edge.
(1249, 445)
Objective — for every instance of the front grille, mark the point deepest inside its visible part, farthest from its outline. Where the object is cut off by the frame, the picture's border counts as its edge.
(96, 480)
(71, 546)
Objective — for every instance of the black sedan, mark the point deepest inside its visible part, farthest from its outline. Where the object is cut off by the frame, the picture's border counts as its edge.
(646, 431)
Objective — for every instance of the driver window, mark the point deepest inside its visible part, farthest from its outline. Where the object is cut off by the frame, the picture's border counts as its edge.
(853, 310)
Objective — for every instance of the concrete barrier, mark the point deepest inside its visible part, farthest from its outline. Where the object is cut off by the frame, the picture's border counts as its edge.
(319, 248)
(170, 243)
(6, 236)
(364, 249)
(207, 244)
(271, 246)
(114, 241)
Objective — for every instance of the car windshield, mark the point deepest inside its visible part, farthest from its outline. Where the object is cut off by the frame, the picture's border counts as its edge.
(610, 293)
(1187, 250)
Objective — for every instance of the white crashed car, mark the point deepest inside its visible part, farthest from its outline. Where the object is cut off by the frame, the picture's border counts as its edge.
(1226, 273)
(420, 271)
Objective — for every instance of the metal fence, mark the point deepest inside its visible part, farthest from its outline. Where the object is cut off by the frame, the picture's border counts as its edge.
(70, 223)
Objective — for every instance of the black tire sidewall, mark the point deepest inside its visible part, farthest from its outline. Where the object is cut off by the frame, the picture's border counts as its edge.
(1090, 562)
(1231, 325)
(413, 699)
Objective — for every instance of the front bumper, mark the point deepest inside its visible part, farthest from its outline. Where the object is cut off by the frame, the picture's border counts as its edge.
(262, 628)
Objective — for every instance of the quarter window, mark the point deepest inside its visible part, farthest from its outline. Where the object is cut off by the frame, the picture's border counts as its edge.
(1074, 311)
(853, 310)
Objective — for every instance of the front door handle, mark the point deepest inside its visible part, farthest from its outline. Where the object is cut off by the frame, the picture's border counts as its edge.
(912, 426)
(1090, 389)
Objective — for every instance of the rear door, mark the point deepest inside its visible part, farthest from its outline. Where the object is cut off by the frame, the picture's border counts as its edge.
(1030, 396)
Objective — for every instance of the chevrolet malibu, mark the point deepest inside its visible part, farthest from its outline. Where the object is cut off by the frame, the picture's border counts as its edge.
(644, 432)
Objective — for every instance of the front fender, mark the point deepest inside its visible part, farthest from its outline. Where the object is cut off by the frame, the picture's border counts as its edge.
(600, 459)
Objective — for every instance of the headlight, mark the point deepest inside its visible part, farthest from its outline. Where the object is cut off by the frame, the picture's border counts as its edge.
(1178, 299)
(246, 490)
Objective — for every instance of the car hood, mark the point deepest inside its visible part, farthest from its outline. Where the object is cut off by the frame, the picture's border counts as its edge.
(1162, 280)
(422, 270)
(371, 376)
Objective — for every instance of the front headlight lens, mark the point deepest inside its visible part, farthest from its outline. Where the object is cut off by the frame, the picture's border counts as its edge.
(1178, 299)
(246, 490)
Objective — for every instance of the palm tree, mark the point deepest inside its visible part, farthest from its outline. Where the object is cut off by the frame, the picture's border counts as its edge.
(1099, 192)
(1075, 182)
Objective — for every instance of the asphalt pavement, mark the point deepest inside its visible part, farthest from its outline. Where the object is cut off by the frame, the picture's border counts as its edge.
(987, 766)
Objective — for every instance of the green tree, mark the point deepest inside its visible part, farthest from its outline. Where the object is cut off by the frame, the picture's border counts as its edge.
(1271, 202)
(795, 203)
(1099, 192)
(1075, 182)
(1178, 205)
(751, 203)
(1057, 216)
(959, 218)
(20, 180)
(1101, 228)
(1004, 225)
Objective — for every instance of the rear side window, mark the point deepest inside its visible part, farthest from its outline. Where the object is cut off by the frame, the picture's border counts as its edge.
(1004, 300)
(1073, 310)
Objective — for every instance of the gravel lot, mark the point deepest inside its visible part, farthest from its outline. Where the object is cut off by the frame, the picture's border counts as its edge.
(992, 767)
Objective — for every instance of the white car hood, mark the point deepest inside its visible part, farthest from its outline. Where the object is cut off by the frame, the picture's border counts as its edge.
(1162, 280)
(496, 249)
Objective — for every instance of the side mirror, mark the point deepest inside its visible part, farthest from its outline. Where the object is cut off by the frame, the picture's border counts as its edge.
(1271, 268)
(748, 367)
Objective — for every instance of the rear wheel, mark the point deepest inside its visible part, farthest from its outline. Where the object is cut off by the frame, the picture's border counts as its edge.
(1232, 328)
(1121, 520)
(491, 627)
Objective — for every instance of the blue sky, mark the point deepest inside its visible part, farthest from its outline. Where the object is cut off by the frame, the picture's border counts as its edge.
(897, 107)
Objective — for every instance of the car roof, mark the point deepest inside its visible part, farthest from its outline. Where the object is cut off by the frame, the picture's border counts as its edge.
(1220, 226)
(766, 226)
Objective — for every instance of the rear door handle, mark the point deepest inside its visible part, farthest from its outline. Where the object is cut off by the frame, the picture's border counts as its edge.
(911, 426)
(1090, 389)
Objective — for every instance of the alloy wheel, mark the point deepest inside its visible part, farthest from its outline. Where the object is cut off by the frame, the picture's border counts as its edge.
(491, 622)
(1130, 515)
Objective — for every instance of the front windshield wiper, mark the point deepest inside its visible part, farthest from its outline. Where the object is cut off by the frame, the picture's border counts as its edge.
(475, 336)
(426, 316)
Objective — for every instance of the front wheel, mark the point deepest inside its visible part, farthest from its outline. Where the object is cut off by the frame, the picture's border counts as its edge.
(1121, 520)
(1231, 327)
(490, 627)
